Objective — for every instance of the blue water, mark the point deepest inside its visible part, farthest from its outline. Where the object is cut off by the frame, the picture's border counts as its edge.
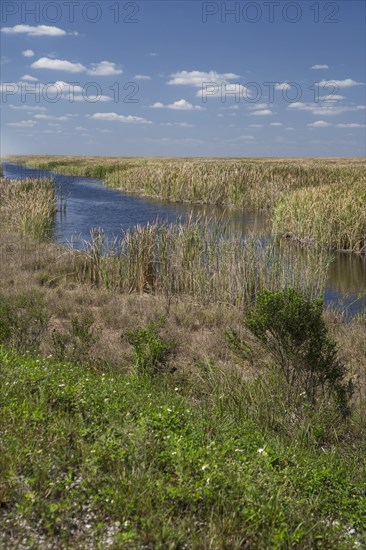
(89, 205)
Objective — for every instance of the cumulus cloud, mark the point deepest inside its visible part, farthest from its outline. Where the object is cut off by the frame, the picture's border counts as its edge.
(38, 30)
(223, 90)
(104, 68)
(350, 125)
(28, 53)
(346, 83)
(247, 138)
(318, 67)
(197, 78)
(58, 65)
(22, 124)
(29, 78)
(324, 108)
(51, 117)
(276, 124)
(319, 124)
(180, 105)
(27, 108)
(282, 86)
(141, 77)
(262, 112)
(129, 119)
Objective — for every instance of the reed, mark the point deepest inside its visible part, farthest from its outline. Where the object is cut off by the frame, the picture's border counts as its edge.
(253, 184)
(199, 259)
(28, 206)
(333, 216)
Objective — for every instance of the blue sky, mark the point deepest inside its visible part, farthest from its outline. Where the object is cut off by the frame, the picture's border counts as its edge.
(183, 78)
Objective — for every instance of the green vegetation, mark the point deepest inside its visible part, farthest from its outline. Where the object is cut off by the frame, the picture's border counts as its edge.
(292, 329)
(151, 351)
(28, 206)
(179, 388)
(242, 183)
(331, 215)
(98, 460)
(198, 259)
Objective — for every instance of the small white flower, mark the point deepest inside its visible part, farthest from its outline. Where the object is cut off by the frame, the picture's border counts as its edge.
(204, 467)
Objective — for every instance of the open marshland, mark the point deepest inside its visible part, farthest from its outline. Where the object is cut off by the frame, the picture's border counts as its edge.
(301, 192)
(180, 387)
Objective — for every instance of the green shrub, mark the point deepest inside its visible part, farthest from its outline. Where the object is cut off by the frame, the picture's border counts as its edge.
(76, 344)
(23, 321)
(151, 351)
(292, 329)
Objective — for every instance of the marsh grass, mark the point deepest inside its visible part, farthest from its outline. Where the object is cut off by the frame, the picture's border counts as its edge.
(333, 216)
(198, 259)
(254, 184)
(28, 206)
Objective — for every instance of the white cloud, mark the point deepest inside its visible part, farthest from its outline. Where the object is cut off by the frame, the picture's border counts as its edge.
(346, 83)
(29, 78)
(317, 67)
(319, 124)
(180, 124)
(152, 54)
(141, 77)
(350, 125)
(67, 87)
(50, 117)
(223, 90)
(28, 53)
(58, 65)
(197, 78)
(262, 112)
(27, 108)
(22, 124)
(120, 118)
(247, 138)
(38, 30)
(255, 125)
(276, 124)
(324, 108)
(332, 97)
(282, 86)
(180, 105)
(104, 68)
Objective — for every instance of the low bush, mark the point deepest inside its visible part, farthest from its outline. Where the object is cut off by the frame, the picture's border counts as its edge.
(151, 351)
(292, 329)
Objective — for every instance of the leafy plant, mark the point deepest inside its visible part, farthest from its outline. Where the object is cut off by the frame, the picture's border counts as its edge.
(23, 321)
(292, 329)
(76, 344)
(150, 349)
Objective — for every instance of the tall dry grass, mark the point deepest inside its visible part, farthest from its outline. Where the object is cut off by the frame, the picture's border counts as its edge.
(242, 183)
(28, 206)
(333, 216)
(198, 259)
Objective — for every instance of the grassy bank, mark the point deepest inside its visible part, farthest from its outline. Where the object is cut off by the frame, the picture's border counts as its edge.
(99, 460)
(28, 206)
(331, 215)
(253, 184)
(143, 405)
